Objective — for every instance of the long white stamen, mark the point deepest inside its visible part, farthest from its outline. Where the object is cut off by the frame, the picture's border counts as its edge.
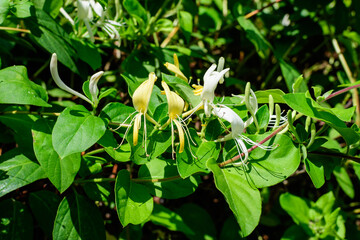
(172, 140)
(127, 130)
(145, 135)
(186, 129)
(121, 124)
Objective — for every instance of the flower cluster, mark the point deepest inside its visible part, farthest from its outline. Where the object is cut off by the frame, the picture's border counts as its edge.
(176, 105)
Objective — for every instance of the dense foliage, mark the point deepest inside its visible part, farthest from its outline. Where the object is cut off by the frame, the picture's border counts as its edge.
(206, 119)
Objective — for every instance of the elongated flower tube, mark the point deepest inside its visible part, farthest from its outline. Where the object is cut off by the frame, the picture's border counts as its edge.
(251, 104)
(237, 130)
(60, 83)
(175, 105)
(141, 99)
(175, 68)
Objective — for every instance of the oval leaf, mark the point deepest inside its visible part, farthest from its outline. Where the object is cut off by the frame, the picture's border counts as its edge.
(133, 203)
(76, 130)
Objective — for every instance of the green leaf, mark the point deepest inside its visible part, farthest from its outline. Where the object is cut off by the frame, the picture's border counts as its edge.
(16, 221)
(291, 75)
(356, 167)
(46, 32)
(244, 201)
(267, 168)
(75, 130)
(16, 88)
(98, 191)
(133, 203)
(78, 218)
(60, 171)
(252, 33)
(263, 96)
(188, 165)
(169, 219)
(121, 154)
(230, 230)
(44, 205)
(49, 6)
(87, 52)
(169, 187)
(117, 112)
(136, 10)
(315, 170)
(300, 213)
(16, 170)
(344, 181)
(182, 88)
(21, 125)
(4, 9)
(198, 220)
(22, 9)
(186, 24)
(326, 203)
(307, 106)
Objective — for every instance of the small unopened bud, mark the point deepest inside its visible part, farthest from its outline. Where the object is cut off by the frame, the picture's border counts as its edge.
(220, 67)
(271, 105)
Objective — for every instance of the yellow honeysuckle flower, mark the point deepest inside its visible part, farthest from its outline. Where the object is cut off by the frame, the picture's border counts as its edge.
(141, 99)
(176, 105)
(175, 68)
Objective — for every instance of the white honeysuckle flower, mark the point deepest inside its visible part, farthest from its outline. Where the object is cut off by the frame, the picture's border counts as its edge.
(84, 10)
(237, 132)
(211, 80)
(60, 83)
(93, 88)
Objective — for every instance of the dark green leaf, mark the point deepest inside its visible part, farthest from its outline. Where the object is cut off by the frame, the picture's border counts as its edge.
(133, 203)
(344, 181)
(169, 219)
(46, 32)
(49, 6)
(78, 218)
(186, 24)
(198, 220)
(173, 185)
(252, 33)
(16, 221)
(263, 96)
(314, 167)
(44, 205)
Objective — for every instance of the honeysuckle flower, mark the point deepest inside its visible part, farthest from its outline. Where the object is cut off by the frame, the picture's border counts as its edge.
(251, 103)
(141, 99)
(60, 83)
(237, 130)
(175, 105)
(93, 88)
(175, 68)
(86, 15)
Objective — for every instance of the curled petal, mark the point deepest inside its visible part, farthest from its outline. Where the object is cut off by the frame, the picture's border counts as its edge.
(172, 68)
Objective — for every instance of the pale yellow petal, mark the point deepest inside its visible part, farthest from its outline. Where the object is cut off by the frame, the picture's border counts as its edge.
(142, 94)
(175, 102)
(172, 68)
(181, 135)
(137, 126)
(176, 61)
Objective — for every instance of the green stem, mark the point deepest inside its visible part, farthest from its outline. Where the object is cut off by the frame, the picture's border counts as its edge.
(96, 151)
(137, 180)
(148, 117)
(337, 155)
(30, 112)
